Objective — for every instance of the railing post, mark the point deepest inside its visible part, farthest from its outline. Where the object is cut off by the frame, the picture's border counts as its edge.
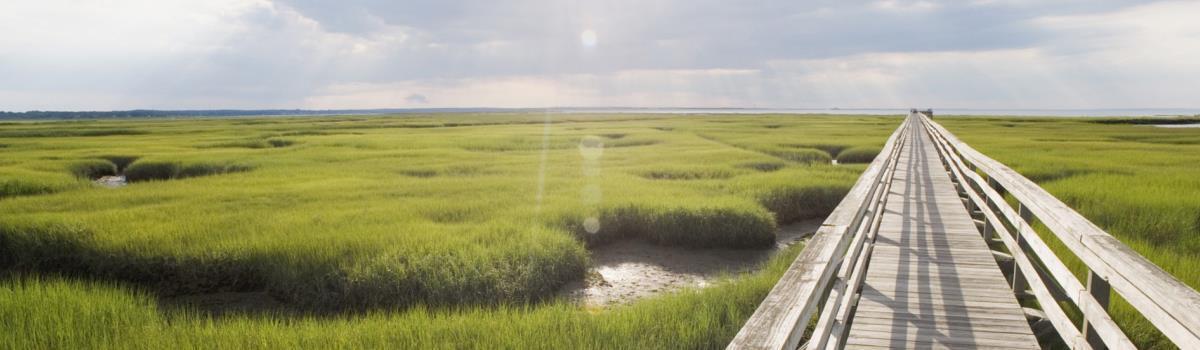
(1018, 278)
(1101, 291)
(987, 230)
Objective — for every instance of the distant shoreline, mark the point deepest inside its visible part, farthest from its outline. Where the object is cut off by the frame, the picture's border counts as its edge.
(150, 113)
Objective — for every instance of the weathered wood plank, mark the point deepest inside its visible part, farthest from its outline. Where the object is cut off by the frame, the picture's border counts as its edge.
(918, 339)
(932, 280)
(892, 315)
(891, 289)
(991, 332)
(998, 325)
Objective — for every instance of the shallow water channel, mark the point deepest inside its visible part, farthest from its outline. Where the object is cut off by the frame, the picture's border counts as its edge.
(629, 270)
(621, 272)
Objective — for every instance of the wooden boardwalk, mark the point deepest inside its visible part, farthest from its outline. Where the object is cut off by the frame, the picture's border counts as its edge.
(931, 281)
(903, 262)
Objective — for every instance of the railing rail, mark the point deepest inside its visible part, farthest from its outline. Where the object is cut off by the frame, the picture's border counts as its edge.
(1171, 306)
(822, 270)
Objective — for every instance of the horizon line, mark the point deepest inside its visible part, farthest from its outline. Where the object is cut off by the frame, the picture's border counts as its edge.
(484, 108)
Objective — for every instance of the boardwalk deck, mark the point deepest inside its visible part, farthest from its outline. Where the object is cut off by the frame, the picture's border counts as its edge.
(932, 282)
(900, 263)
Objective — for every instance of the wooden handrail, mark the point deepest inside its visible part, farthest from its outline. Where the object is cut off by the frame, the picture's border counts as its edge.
(780, 320)
(1170, 305)
(997, 214)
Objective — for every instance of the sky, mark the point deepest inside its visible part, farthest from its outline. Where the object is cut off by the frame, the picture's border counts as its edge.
(314, 54)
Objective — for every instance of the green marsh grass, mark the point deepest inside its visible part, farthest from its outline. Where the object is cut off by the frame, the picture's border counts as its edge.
(430, 223)
(65, 314)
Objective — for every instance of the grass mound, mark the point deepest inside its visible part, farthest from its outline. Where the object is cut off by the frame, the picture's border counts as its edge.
(1149, 121)
(513, 269)
(800, 155)
(832, 149)
(797, 194)
(794, 203)
(25, 187)
(520, 265)
(253, 143)
(92, 169)
(687, 174)
(422, 173)
(63, 132)
(1182, 138)
(762, 166)
(277, 143)
(631, 142)
(165, 170)
(16, 182)
(857, 155)
(1047, 174)
(452, 170)
(719, 223)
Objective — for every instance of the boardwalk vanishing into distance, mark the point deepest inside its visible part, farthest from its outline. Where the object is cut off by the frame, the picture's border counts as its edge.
(932, 278)
(926, 252)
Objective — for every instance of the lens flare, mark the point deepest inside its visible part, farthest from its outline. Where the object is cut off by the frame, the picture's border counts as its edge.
(591, 225)
(588, 38)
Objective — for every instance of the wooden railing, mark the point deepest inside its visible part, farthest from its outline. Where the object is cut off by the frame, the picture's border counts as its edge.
(825, 275)
(840, 246)
(1171, 306)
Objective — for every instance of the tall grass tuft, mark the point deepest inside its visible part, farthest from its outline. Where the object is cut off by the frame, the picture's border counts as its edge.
(161, 170)
(858, 155)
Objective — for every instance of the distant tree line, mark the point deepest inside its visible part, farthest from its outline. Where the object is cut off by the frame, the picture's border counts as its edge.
(152, 113)
(1179, 120)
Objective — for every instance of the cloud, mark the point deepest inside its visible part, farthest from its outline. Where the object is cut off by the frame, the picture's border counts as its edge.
(367, 54)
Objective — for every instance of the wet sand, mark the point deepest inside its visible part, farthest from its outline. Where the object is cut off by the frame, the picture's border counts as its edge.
(629, 270)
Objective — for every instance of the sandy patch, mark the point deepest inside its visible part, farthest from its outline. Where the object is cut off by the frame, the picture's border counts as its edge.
(629, 270)
(111, 181)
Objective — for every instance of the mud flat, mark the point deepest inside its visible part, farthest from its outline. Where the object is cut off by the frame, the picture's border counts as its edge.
(629, 270)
